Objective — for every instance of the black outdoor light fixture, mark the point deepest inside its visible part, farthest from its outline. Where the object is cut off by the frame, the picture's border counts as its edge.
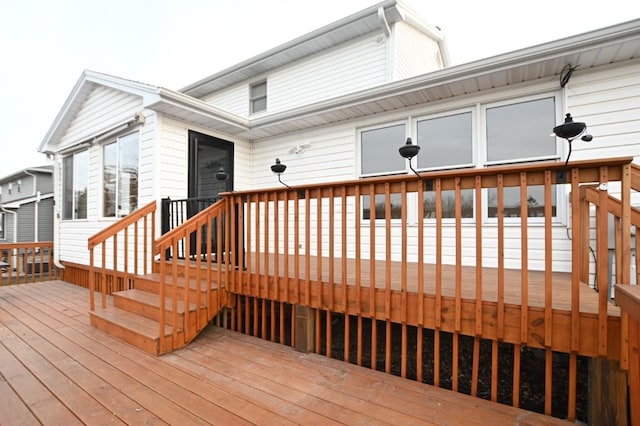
(408, 151)
(570, 130)
(279, 168)
(221, 174)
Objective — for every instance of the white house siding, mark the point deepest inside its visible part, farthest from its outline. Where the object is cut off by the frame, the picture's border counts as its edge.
(103, 108)
(413, 52)
(173, 163)
(347, 68)
(332, 155)
(608, 101)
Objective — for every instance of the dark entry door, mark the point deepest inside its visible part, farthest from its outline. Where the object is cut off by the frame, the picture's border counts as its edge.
(209, 158)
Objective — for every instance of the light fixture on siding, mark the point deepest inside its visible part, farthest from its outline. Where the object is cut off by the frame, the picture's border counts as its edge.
(221, 175)
(570, 130)
(279, 168)
(408, 151)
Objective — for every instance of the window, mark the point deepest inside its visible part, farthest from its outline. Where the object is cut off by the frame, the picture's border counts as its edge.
(520, 131)
(258, 97)
(379, 150)
(120, 176)
(448, 203)
(449, 140)
(2, 225)
(75, 181)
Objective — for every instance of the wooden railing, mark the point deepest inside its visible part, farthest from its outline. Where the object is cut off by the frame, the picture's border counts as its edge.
(27, 262)
(628, 298)
(612, 262)
(204, 240)
(126, 247)
(442, 253)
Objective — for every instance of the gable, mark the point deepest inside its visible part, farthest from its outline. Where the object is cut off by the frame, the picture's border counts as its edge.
(103, 108)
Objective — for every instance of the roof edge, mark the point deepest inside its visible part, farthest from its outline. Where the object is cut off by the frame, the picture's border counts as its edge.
(372, 10)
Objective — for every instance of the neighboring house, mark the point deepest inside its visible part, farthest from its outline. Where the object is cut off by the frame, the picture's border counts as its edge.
(336, 104)
(26, 206)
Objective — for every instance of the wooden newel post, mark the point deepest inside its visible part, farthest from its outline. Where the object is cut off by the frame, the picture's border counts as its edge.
(305, 329)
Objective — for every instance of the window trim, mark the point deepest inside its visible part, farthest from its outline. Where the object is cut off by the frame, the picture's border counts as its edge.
(482, 133)
(407, 127)
(74, 217)
(110, 141)
(474, 149)
(253, 99)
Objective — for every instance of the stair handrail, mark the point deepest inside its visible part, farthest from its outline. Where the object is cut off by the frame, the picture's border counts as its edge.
(169, 242)
(111, 232)
(628, 298)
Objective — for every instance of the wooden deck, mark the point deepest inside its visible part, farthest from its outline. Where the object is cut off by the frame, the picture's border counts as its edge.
(391, 274)
(57, 369)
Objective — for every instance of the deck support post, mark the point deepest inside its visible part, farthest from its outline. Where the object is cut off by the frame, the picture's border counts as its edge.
(607, 393)
(305, 329)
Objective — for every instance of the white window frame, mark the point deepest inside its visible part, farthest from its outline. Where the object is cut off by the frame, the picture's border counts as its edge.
(74, 211)
(407, 130)
(3, 226)
(116, 141)
(560, 216)
(253, 99)
(474, 154)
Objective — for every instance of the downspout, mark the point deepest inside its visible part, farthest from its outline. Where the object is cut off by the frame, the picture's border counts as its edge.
(56, 214)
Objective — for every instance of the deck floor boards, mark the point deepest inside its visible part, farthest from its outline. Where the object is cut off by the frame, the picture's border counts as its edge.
(57, 369)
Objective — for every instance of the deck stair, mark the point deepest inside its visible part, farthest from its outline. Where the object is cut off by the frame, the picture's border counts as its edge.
(134, 314)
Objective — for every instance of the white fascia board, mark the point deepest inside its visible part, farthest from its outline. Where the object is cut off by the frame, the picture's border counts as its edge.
(458, 73)
(16, 204)
(186, 102)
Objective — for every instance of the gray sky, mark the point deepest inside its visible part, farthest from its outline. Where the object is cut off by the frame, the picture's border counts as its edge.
(46, 44)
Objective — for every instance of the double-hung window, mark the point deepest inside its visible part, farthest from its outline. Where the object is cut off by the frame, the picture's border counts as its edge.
(258, 97)
(75, 183)
(120, 176)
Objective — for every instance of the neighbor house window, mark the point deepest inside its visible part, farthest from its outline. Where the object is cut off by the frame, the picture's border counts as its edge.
(75, 181)
(120, 176)
(2, 225)
(258, 97)
(519, 132)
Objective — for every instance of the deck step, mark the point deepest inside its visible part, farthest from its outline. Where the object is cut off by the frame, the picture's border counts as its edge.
(151, 283)
(148, 305)
(135, 329)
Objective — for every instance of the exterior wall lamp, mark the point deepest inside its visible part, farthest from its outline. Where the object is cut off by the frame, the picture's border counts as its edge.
(408, 151)
(279, 168)
(570, 130)
(221, 174)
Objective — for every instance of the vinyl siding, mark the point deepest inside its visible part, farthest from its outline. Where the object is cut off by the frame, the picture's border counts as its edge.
(45, 220)
(347, 68)
(413, 52)
(103, 109)
(174, 163)
(26, 223)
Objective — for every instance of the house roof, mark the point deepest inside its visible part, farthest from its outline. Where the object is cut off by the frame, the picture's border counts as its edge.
(542, 62)
(153, 97)
(24, 172)
(345, 29)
